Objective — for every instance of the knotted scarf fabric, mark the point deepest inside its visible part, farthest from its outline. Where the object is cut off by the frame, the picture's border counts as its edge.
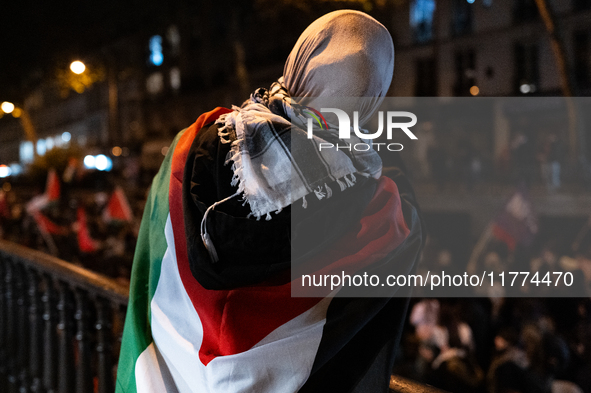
(343, 54)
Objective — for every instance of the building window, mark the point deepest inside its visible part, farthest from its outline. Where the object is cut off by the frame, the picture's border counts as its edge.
(527, 73)
(174, 39)
(155, 83)
(582, 50)
(461, 21)
(525, 10)
(175, 78)
(426, 78)
(465, 70)
(421, 20)
(156, 57)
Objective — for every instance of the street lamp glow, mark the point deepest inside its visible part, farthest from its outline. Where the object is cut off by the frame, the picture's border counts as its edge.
(77, 67)
(7, 107)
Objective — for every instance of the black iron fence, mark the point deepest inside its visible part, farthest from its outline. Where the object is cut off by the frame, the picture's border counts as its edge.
(60, 324)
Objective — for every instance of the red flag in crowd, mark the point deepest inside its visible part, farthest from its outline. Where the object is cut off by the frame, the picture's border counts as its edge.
(48, 226)
(4, 209)
(51, 194)
(118, 208)
(38, 203)
(52, 189)
(85, 242)
(517, 223)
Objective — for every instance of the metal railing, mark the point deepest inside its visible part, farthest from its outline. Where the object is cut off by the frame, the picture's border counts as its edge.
(60, 324)
(404, 385)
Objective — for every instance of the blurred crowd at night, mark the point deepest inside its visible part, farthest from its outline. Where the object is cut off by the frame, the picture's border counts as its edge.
(508, 345)
(80, 217)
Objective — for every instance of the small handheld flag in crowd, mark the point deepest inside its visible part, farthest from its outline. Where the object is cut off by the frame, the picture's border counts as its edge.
(581, 235)
(35, 205)
(515, 224)
(86, 243)
(118, 208)
(52, 188)
(4, 209)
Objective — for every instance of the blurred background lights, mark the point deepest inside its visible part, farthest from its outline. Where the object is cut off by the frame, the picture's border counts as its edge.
(157, 59)
(27, 152)
(77, 67)
(41, 147)
(16, 169)
(100, 162)
(421, 19)
(175, 78)
(7, 107)
(17, 112)
(470, 1)
(117, 151)
(5, 171)
(155, 83)
(66, 136)
(89, 162)
(103, 163)
(474, 90)
(527, 88)
(156, 56)
(109, 164)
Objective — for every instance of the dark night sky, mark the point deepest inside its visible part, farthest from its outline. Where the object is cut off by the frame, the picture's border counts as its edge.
(38, 35)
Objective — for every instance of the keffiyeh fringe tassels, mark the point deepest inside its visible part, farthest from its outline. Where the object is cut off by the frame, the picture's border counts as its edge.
(271, 112)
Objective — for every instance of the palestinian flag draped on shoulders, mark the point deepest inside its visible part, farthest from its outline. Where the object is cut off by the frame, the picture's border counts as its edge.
(180, 336)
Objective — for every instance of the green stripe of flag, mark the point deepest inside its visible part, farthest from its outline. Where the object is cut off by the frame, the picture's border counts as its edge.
(147, 261)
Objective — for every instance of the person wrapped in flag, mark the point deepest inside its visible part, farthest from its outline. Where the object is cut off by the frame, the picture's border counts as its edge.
(211, 306)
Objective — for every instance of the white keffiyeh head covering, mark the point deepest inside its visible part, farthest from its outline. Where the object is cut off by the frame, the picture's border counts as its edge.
(343, 54)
